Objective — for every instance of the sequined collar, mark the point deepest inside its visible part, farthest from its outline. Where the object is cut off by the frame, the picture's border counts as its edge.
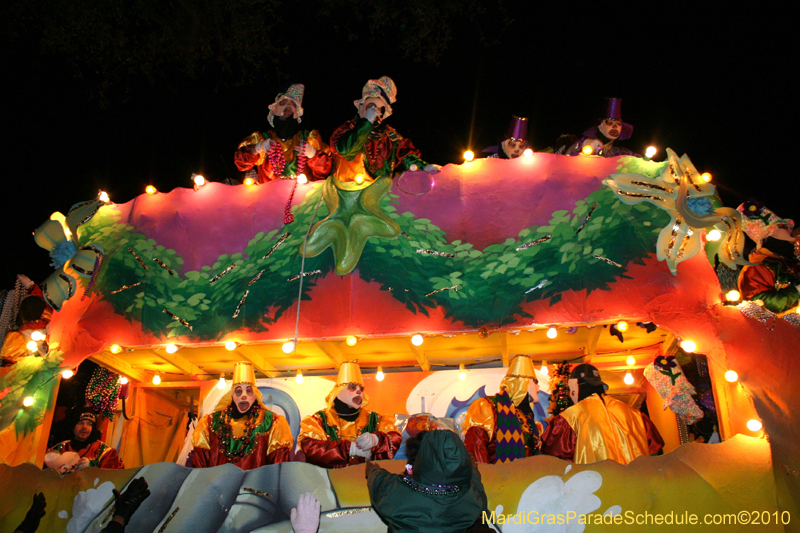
(432, 490)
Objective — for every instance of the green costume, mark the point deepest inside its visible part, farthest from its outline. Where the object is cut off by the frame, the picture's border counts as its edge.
(443, 495)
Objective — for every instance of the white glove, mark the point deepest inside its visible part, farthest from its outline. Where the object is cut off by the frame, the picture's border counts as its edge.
(371, 114)
(433, 169)
(83, 463)
(263, 146)
(305, 517)
(367, 441)
(355, 451)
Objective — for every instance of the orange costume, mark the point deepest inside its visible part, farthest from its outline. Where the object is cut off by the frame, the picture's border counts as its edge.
(258, 437)
(327, 439)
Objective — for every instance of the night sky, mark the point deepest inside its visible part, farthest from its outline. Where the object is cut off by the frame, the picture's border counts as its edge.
(714, 85)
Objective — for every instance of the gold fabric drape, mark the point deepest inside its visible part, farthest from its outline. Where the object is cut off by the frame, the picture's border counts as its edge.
(149, 437)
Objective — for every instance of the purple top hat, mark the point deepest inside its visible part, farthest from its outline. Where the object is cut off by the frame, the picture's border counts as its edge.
(518, 129)
(613, 111)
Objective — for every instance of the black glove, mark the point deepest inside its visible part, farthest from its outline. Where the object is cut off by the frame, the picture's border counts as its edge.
(35, 513)
(130, 500)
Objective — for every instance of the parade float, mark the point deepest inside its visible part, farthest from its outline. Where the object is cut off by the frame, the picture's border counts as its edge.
(432, 283)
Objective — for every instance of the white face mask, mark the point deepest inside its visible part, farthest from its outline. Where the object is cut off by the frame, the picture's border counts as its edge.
(243, 397)
(611, 128)
(352, 395)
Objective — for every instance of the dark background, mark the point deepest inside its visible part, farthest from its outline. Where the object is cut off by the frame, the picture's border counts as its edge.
(115, 96)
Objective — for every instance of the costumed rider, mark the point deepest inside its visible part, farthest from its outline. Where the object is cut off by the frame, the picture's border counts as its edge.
(514, 142)
(33, 315)
(598, 427)
(84, 449)
(368, 147)
(285, 150)
(345, 433)
(602, 139)
(241, 430)
(443, 494)
(501, 428)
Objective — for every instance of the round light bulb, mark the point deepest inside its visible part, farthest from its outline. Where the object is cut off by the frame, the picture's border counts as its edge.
(528, 152)
(731, 376)
(171, 348)
(66, 374)
(103, 197)
(32, 346)
(754, 425)
(299, 379)
(150, 189)
(714, 235)
(351, 340)
(249, 181)
(630, 360)
(651, 151)
(552, 333)
(628, 379)
(288, 347)
(469, 155)
(37, 336)
(156, 380)
(688, 346)
(221, 383)
(116, 348)
(587, 150)
(28, 401)
(360, 178)
(379, 374)
(544, 370)
(622, 326)
(705, 176)
(230, 345)
(123, 380)
(199, 180)
(417, 340)
(733, 296)
(462, 373)
(301, 179)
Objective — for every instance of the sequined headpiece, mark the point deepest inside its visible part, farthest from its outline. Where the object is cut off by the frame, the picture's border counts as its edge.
(349, 372)
(295, 94)
(243, 373)
(88, 415)
(383, 88)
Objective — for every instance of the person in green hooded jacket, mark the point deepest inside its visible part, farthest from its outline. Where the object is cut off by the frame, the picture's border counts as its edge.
(443, 494)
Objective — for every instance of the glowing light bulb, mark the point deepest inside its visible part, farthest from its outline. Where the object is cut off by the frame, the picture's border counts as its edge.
(688, 346)
(301, 179)
(248, 181)
(351, 340)
(528, 152)
(469, 155)
(156, 380)
(552, 333)
(32, 346)
(288, 347)
(705, 176)
(714, 235)
(462, 373)
(123, 380)
(731, 376)
(360, 178)
(733, 296)
(221, 383)
(230, 345)
(37, 336)
(103, 197)
(198, 180)
(650, 152)
(622, 326)
(28, 401)
(754, 425)
(379, 374)
(544, 370)
(630, 361)
(587, 150)
(299, 379)
(417, 340)
(171, 348)
(150, 189)
(116, 348)
(628, 379)
(66, 374)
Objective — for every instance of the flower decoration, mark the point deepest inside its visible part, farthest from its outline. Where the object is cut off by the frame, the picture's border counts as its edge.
(681, 192)
(71, 258)
(759, 222)
(752, 208)
(664, 362)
